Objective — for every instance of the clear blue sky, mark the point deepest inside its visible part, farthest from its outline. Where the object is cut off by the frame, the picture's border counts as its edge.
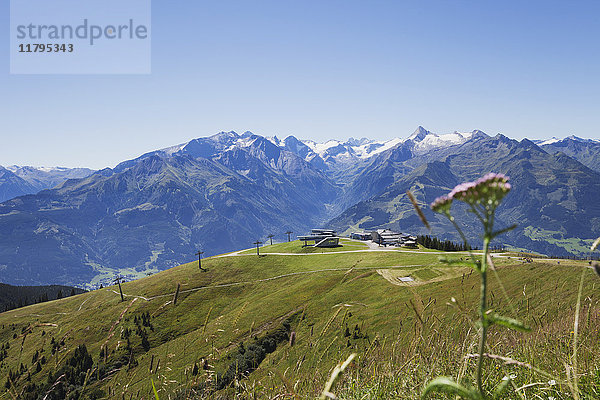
(317, 70)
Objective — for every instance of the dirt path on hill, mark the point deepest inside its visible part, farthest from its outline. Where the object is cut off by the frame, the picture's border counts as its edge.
(375, 250)
(393, 279)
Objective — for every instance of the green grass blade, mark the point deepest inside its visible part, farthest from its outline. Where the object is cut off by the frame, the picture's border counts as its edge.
(501, 387)
(447, 385)
(509, 322)
(154, 390)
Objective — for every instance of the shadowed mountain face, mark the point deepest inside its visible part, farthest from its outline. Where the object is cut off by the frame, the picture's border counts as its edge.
(12, 185)
(223, 192)
(554, 200)
(156, 214)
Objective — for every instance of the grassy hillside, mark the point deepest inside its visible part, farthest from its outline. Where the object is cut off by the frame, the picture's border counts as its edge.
(296, 247)
(241, 313)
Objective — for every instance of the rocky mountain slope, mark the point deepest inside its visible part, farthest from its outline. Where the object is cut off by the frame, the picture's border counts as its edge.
(223, 192)
(156, 212)
(12, 185)
(553, 200)
(586, 151)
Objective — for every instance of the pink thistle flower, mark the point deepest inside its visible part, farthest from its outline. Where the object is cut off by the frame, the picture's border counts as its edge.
(488, 190)
(442, 204)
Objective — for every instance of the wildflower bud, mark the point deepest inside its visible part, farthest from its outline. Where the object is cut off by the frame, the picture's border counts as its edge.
(442, 204)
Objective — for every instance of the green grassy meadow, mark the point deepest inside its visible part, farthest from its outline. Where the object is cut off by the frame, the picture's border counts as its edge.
(297, 248)
(333, 305)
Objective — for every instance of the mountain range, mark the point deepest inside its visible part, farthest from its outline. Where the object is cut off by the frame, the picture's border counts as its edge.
(553, 201)
(21, 180)
(224, 192)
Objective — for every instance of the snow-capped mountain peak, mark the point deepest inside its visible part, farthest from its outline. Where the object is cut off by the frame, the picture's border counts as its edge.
(425, 141)
(331, 154)
(275, 140)
(419, 134)
(352, 148)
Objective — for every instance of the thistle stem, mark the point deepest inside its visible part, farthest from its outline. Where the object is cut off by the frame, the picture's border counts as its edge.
(482, 312)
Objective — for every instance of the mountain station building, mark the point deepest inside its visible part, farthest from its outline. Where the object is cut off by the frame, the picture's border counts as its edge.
(321, 237)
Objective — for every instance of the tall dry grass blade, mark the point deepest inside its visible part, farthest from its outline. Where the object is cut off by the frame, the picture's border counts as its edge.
(239, 315)
(568, 370)
(206, 320)
(330, 322)
(575, 335)
(327, 349)
(176, 295)
(595, 245)
(337, 372)
(85, 382)
(530, 385)
(416, 312)
(464, 349)
(413, 200)
(111, 331)
(504, 292)
(511, 361)
(58, 380)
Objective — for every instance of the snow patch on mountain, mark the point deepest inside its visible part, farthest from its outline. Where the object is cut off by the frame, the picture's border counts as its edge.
(548, 141)
(371, 148)
(431, 141)
(554, 140)
(330, 154)
(351, 149)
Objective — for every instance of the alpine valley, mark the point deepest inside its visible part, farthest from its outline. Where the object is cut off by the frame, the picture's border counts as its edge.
(224, 192)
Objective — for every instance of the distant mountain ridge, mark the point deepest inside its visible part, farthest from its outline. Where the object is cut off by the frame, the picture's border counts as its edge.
(223, 192)
(12, 186)
(21, 180)
(586, 151)
(554, 200)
